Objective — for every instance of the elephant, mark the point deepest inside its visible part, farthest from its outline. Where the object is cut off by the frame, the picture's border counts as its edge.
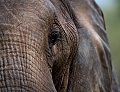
(54, 46)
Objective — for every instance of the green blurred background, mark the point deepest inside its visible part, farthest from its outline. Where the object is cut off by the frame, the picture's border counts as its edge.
(111, 10)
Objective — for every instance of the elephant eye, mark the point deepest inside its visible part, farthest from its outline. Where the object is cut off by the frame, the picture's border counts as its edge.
(54, 37)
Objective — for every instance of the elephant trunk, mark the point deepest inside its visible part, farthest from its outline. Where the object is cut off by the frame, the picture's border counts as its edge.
(23, 65)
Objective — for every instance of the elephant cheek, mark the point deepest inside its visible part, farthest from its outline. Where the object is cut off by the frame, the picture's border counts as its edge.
(23, 65)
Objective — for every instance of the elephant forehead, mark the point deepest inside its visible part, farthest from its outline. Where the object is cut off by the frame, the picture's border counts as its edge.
(15, 10)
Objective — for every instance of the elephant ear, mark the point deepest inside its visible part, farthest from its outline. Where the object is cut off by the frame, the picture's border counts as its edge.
(94, 56)
(91, 70)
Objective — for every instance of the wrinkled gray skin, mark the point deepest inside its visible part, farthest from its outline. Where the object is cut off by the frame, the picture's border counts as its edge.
(54, 46)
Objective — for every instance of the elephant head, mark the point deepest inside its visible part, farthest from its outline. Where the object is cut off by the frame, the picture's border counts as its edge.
(54, 46)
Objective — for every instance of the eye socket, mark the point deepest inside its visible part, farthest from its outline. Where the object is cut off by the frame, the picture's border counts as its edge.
(54, 37)
(55, 34)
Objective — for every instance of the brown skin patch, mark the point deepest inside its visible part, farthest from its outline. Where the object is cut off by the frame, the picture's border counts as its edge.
(54, 46)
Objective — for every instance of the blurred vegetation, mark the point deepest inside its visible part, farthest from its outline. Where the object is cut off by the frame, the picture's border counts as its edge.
(112, 19)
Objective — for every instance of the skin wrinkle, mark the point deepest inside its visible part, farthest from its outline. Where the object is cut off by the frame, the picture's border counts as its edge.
(78, 60)
(20, 42)
(25, 49)
(64, 17)
(23, 64)
(11, 14)
(18, 78)
(28, 59)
